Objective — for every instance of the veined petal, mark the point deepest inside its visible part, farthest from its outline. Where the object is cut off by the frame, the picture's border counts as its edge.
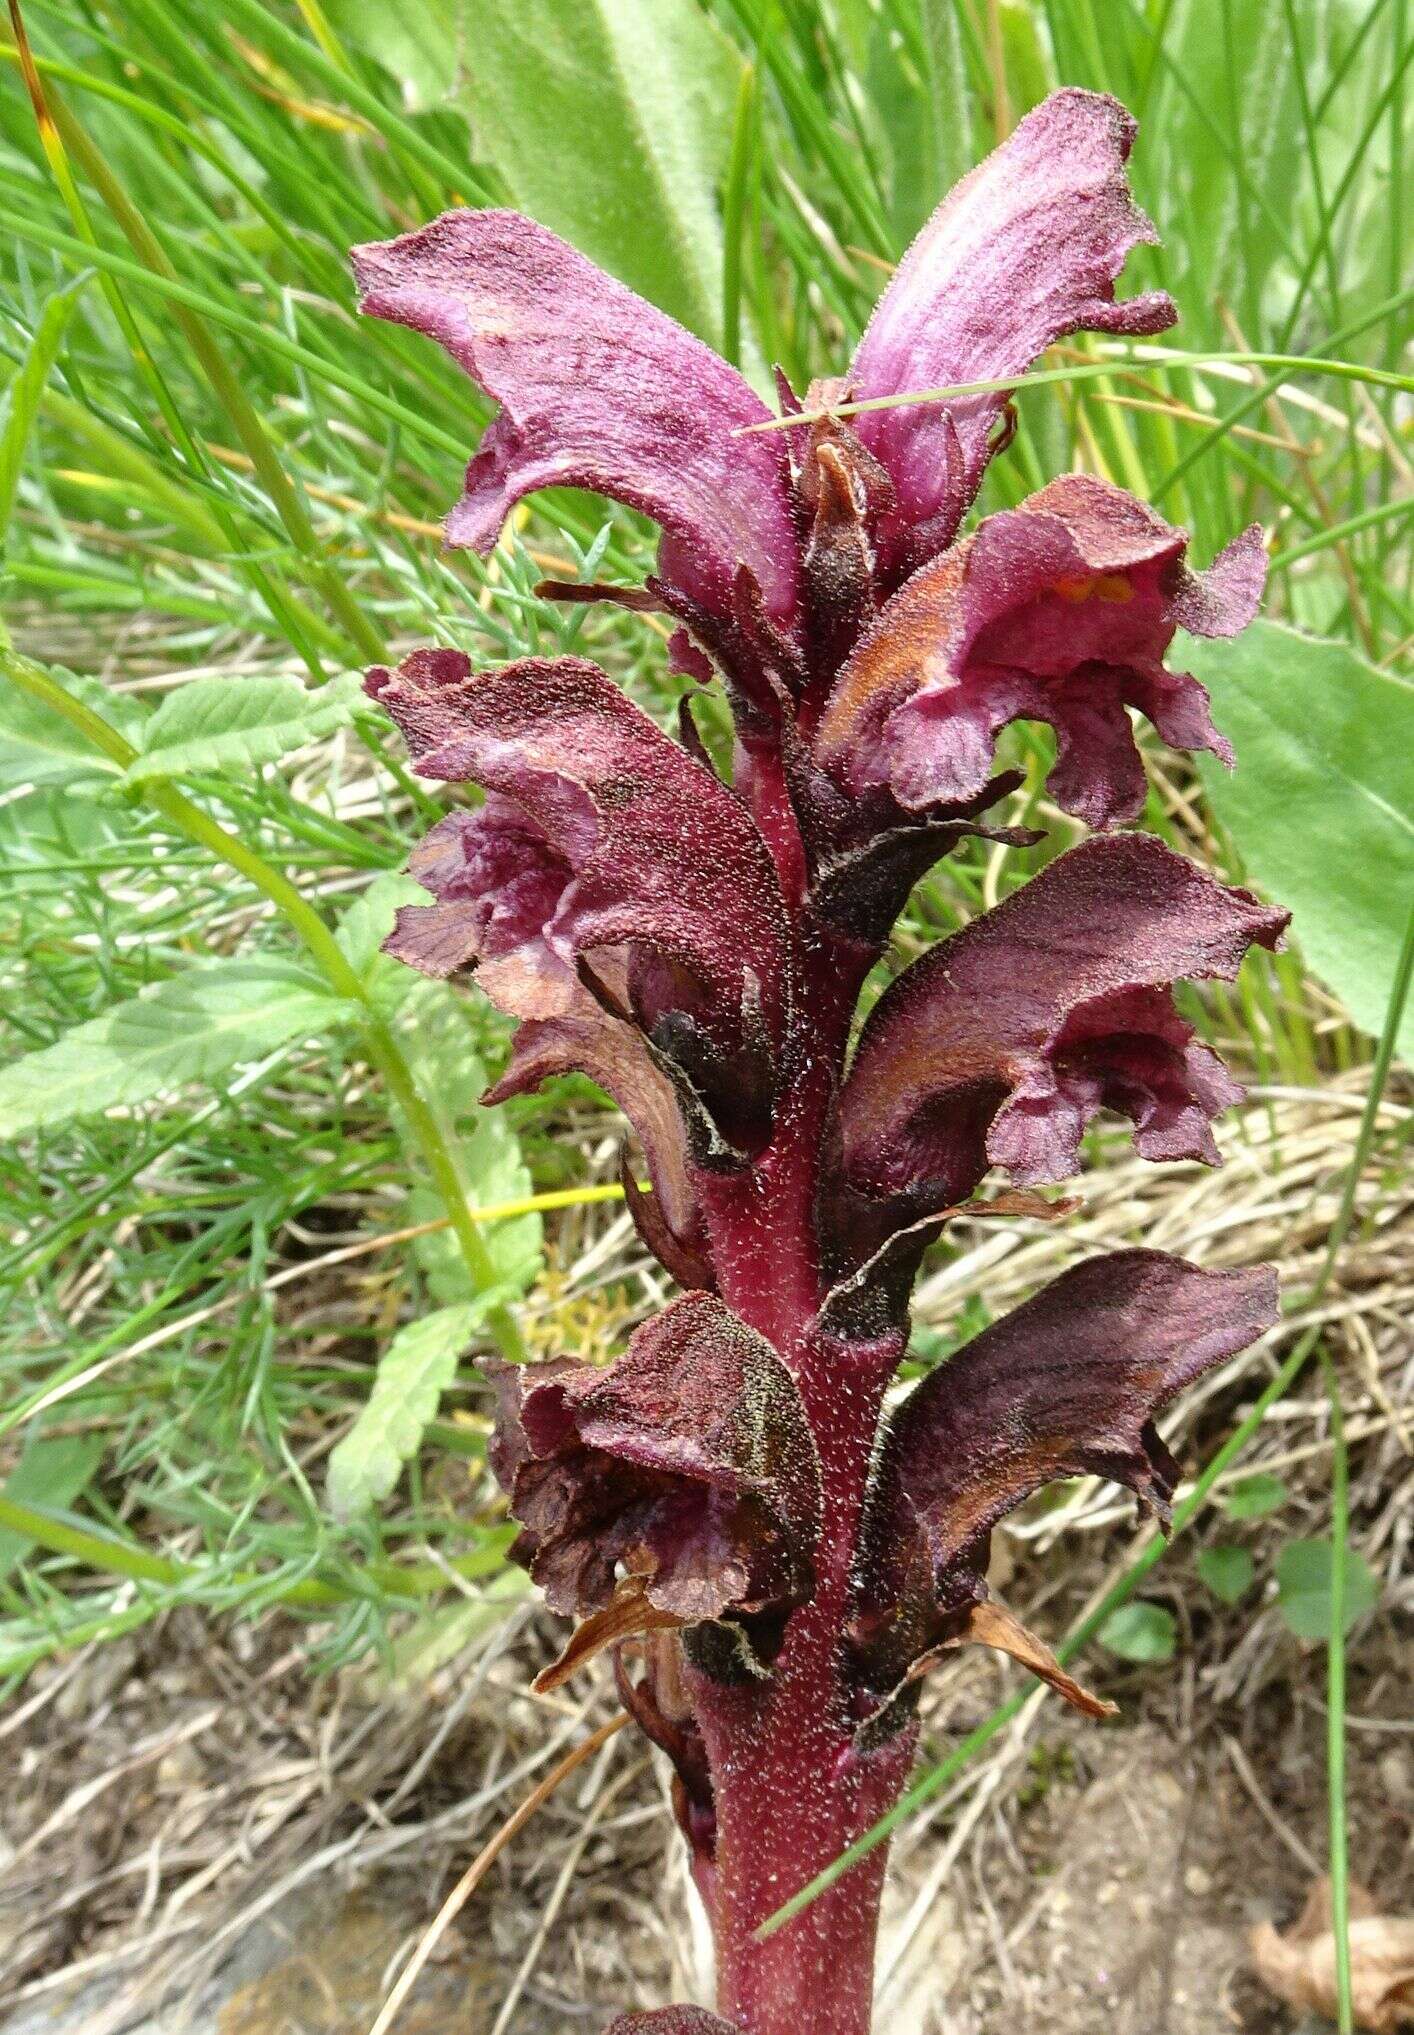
(1060, 611)
(1001, 1044)
(689, 1461)
(1067, 1385)
(598, 389)
(606, 845)
(1025, 250)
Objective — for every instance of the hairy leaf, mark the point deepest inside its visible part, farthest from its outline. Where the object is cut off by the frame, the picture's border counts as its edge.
(194, 1027)
(39, 747)
(413, 1373)
(608, 121)
(233, 724)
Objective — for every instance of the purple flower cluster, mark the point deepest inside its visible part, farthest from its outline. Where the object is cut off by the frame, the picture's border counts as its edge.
(728, 1508)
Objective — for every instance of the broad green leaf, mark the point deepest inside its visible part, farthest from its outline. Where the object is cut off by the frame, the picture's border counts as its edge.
(1227, 1571)
(216, 724)
(1140, 1632)
(23, 391)
(1304, 1571)
(38, 746)
(194, 1027)
(366, 925)
(51, 1473)
(1321, 804)
(608, 120)
(413, 1373)
(1255, 1496)
(451, 1076)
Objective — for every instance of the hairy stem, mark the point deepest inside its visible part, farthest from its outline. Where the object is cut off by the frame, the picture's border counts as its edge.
(791, 1786)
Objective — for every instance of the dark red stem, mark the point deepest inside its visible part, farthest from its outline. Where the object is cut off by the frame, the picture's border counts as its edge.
(791, 1790)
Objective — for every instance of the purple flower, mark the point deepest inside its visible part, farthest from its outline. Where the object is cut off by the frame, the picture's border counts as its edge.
(773, 1562)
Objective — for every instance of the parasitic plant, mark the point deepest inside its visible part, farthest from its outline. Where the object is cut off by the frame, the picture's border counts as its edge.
(773, 1560)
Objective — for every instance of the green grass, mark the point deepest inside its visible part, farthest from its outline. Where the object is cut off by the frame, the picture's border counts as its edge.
(225, 471)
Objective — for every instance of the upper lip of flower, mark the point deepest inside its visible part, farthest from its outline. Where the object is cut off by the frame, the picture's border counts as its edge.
(600, 389)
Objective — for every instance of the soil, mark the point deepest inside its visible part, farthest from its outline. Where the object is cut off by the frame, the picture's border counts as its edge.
(1110, 1883)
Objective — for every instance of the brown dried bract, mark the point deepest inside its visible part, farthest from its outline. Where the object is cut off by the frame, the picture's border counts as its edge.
(1299, 1967)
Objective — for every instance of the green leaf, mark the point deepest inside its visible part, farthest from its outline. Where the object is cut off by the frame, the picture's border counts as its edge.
(1304, 1570)
(1255, 1496)
(1321, 804)
(449, 1071)
(51, 1473)
(217, 724)
(366, 925)
(1227, 1571)
(1140, 1632)
(608, 120)
(21, 398)
(194, 1027)
(39, 747)
(413, 1373)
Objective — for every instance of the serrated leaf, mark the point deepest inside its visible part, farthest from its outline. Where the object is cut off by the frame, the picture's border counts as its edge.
(210, 725)
(39, 747)
(1304, 1571)
(413, 1373)
(1255, 1496)
(1140, 1632)
(608, 121)
(1227, 1571)
(194, 1027)
(1321, 804)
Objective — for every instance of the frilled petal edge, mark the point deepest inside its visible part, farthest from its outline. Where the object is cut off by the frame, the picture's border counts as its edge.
(1002, 1043)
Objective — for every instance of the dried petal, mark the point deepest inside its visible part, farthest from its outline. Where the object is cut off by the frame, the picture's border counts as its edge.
(1025, 250)
(1300, 1966)
(598, 389)
(990, 1624)
(1059, 611)
(689, 1461)
(1001, 1044)
(659, 1704)
(604, 840)
(1067, 1385)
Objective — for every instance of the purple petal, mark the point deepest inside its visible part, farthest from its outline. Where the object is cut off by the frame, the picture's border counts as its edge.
(598, 389)
(604, 839)
(1059, 611)
(1025, 250)
(689, 1460)
(1067, 1385)
(587, 1040)
(1001, 1044)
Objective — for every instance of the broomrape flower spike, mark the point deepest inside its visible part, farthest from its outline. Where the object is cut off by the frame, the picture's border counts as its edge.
(774, 1561)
